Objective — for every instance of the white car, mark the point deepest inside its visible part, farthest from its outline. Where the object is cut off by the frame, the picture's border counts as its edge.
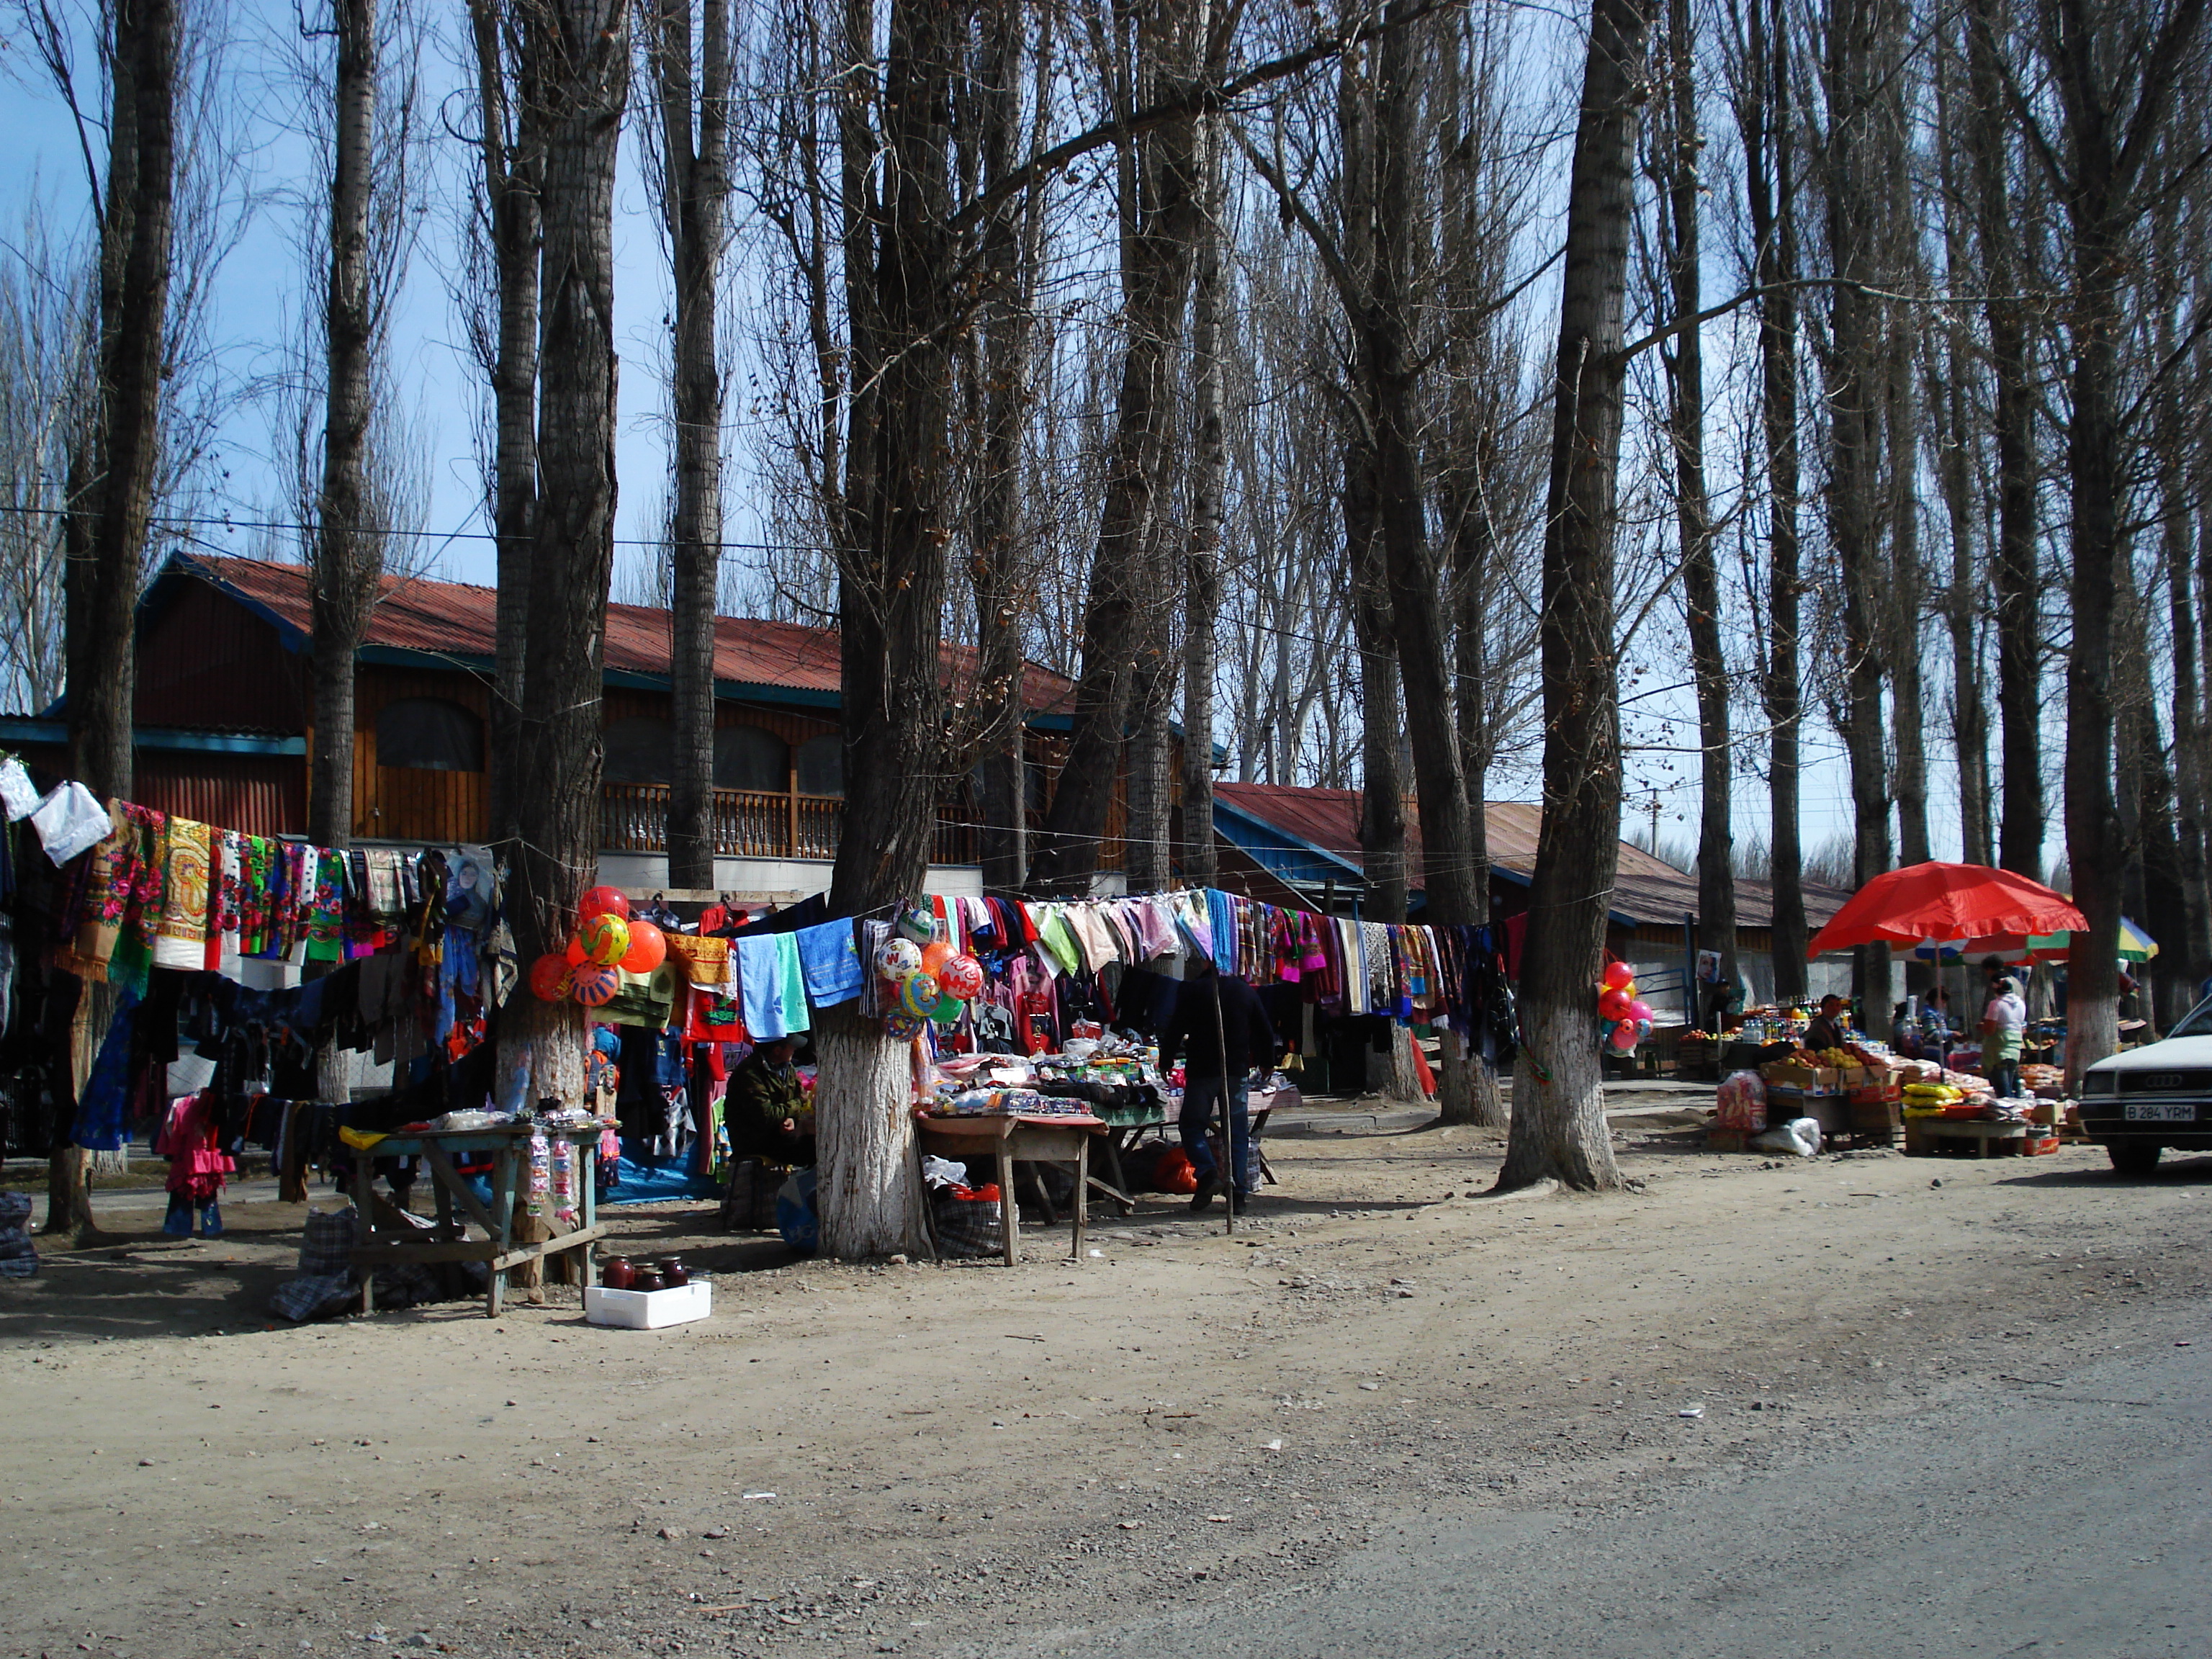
(2137, 1104)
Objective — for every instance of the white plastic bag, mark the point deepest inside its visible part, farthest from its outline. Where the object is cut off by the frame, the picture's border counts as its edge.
(19, 796)
(1800, 1137)
(69, 821)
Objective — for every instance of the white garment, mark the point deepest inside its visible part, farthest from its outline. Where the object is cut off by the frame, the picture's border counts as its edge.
(17, 793)
(69, 821)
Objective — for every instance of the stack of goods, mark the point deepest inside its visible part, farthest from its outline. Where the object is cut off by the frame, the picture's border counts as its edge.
(2045, 1082)
(1805, 1072)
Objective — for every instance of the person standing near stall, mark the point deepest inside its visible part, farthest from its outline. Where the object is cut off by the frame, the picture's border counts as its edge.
(1826, 1029)
(2004, 1029)
(1222, 1030)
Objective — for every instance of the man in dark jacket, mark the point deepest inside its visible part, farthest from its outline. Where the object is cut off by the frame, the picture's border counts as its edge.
(1224, 1035)
(764, 1106)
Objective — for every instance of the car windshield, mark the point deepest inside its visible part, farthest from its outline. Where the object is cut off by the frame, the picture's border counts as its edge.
(2197, 1022)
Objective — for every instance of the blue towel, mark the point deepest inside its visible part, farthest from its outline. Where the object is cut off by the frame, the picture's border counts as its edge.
(832, 960)
(760, 989)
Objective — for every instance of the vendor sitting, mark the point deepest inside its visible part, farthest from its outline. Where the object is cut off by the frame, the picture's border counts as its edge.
(765, 1105)
(1824, 1031)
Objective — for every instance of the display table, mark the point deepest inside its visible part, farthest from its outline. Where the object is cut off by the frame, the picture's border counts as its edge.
(1014, 1140)
(1926, 1129)
(448, 1239)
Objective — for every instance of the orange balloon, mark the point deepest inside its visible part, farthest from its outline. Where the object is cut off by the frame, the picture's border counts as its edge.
(648, 948)
(575, 953)
(933, 955)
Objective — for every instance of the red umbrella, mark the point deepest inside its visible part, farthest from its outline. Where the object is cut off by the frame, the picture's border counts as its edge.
(1945, 902)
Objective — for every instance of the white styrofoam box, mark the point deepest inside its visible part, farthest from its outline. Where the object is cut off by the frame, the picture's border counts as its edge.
(648, 1310)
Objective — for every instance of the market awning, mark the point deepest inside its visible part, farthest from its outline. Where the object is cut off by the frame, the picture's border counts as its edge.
(1931, 903)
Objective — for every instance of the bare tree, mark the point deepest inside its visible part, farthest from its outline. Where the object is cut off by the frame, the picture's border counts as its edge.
(693, 178)
(579, 52)
(45, 340)
(1559, 1117)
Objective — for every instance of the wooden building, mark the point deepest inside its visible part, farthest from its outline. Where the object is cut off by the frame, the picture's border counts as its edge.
(224, 726)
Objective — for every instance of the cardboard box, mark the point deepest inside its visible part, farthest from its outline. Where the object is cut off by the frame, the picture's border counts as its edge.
(1876, 1094)
(1787, 1075)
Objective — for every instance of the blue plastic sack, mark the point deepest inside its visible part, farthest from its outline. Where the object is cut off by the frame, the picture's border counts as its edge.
(795, 1217)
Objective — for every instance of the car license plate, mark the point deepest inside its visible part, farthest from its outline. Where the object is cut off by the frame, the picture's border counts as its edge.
(2147, 1113)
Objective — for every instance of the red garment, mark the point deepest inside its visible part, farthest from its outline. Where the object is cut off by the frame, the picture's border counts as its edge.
(189, 1140)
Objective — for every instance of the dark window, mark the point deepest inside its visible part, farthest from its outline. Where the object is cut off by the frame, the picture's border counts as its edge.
(431, 734)
(639, 750)
(751, 757)
(821, 765)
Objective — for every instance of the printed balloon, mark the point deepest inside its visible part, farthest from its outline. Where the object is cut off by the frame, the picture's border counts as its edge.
(961, 977)
(603, 902)
(898, 959)
(903, 1027)
(918, 924)
(1618, 975)
(919, 994)
(551, 977)
(648, 948)
(1624, 1035)
(606, 939)
(596, 985)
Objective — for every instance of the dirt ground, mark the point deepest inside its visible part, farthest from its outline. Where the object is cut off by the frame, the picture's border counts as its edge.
(927, 1459)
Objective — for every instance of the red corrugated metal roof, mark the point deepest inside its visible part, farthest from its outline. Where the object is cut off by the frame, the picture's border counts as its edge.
(1645, 887)
(455, 619)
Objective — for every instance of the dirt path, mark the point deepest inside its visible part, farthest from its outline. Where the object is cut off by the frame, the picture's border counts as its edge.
(954, 1450)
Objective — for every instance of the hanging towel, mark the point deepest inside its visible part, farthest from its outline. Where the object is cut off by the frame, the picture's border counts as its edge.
(831, 960)
(772, 986)
(182, 941)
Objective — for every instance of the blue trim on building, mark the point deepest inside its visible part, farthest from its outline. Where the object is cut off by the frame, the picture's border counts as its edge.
(20, 728)
(1284, 856)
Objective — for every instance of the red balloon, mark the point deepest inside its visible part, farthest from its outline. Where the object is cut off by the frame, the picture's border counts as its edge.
(603, 902)
(1618, 975)
(962, 977)
(648, 948)
(575, 954)
(1624, 1035)
(1613, 1004)
(551, 978)
(596, 986)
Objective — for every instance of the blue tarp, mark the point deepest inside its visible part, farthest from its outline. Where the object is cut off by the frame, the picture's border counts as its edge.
(655, 1180)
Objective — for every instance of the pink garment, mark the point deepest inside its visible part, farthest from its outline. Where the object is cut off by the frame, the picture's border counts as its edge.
(189, 1140)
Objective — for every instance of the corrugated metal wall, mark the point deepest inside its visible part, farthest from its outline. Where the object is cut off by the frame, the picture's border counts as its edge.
(261, 795)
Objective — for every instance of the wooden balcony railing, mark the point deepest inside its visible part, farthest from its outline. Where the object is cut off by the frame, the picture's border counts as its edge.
(754, 823)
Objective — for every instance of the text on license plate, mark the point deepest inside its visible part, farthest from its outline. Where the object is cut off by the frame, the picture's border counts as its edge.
(2147, 1113)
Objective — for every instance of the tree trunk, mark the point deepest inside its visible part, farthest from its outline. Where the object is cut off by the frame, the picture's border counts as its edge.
(2017, 576)
(1683, 142)
(1150, 766)
(1012, 247)
(1907, 582)
(580, 51)
(695, 188)
(511, 113)
(1202, 562)
(890, 610)
(1383, 789)
(112, 495)
(1853, 360)
(2192, 950)
(349, 563)
(1764, 118)
(1118, 622)
(1558, 1116)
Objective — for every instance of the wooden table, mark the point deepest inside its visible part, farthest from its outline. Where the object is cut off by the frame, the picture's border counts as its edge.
(1014, 1140)
(448, 1239)
(1964, 1129)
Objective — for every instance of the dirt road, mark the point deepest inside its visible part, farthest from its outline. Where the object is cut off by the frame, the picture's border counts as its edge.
(965, 1459)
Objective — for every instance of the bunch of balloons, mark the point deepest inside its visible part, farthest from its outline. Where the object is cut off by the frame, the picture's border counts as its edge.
(608, 943)
(1618, 1004)
(931, 981)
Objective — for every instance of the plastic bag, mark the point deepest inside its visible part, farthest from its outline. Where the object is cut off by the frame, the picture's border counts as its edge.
(1173, 1173)
(1742, 1102)
(69, 821)
(1800, 1136)
(19, 796)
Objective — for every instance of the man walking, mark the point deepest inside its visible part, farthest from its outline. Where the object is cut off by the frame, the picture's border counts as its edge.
(1224, 1033)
